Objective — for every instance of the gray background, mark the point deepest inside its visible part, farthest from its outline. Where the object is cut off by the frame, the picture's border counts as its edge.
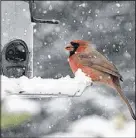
(111, 27)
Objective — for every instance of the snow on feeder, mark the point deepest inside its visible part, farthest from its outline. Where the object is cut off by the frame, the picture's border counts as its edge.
(38, 87)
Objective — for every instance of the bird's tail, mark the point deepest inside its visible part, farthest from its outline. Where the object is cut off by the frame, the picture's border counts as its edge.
(123, 97)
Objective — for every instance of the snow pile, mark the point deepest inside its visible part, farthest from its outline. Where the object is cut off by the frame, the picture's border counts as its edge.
(37, 86)
(88, 127)
(14, 104)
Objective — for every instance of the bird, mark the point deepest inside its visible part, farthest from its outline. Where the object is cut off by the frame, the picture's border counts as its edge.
(83, 55)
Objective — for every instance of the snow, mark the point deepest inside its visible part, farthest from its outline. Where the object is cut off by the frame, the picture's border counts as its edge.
(114, 45)
(104, 50)
(44, 11)
(45, 43)
(63, 24)
(82, 5)
(49, 56)
(64, 86)
(118, 5)
(88, 126)
(35, 31)
(50, 7)
(40, 67)
(127, 55)
(62, 104)
(14, 104)
(61, 116)
(24, 10)
(89, 33)
(95, 126)
(89, 11)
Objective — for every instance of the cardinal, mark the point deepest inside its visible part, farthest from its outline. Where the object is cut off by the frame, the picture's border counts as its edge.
(96, 66)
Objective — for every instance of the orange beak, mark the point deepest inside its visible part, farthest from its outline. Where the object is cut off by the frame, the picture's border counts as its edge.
(69, 47)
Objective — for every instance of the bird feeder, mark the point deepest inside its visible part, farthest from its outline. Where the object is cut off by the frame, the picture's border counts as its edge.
(17, 58)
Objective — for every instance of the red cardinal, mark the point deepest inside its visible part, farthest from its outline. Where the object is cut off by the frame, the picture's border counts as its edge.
(96, 66)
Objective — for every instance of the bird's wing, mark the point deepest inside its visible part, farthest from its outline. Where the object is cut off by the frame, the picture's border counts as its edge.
(97, 61)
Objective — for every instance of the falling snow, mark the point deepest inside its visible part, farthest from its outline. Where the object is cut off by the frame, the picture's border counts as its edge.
(35, 30)
(49, 56)
(82, 5)
(118, 5)
(44, 11)
(127, 55)
(50, 7)
(89, 11)
(24, 10)
(109, 25)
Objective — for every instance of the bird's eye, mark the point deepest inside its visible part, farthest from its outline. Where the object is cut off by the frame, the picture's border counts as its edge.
(74, 44)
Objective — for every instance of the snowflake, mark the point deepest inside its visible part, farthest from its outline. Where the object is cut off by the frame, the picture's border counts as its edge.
(82, 5)
(5, 34)
(50, 7)
(45, 12)
(40, 67)
(83, 12)
(118, 5)
(103, 50)
(127, 55)
(113, 46)
(24, 10)
(35, 30)
(89, 11)
(63, 24)
(45, 43)
(49, 56)
(49, 126)
(89, 33)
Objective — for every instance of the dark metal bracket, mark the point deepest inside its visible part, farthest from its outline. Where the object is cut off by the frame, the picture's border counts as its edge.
(35, 20)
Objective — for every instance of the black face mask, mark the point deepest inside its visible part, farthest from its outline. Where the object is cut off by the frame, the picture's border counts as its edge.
(75, 46)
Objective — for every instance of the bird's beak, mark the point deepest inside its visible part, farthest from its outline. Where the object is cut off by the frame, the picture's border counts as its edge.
(69, 47)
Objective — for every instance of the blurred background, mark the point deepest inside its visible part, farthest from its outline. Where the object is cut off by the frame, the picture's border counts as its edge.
(110, 26)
